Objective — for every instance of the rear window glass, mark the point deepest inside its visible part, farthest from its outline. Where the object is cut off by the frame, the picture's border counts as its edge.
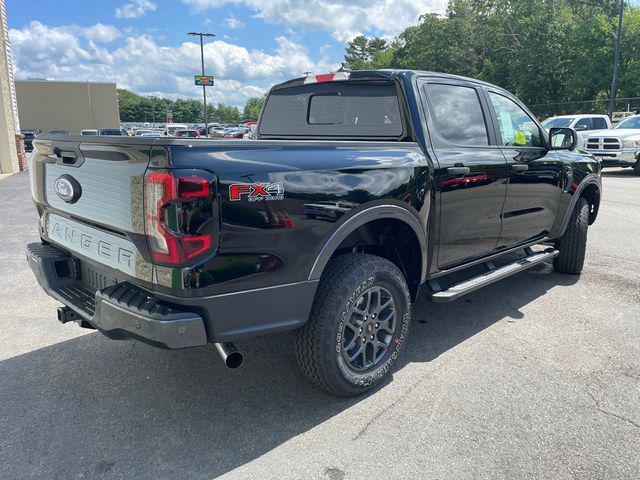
(334, 109)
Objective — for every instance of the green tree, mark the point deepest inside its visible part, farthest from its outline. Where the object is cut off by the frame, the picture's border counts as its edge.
(363, 53)
(252, 109)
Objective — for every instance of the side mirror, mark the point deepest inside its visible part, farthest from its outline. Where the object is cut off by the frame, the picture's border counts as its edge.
(580, 128)
(562, 138)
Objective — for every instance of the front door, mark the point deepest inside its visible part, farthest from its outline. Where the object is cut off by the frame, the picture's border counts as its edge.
(471, 174)
(535, 173)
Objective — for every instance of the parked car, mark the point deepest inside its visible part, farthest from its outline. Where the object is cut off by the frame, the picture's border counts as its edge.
(29, 136)
(171, 128)
(583, 124)
(217, 132)
(58, 132)
(234, 133)
(618, 147)
(193, 242)
(89, 132)
(140, 133)
(117, 132)
(186, 134)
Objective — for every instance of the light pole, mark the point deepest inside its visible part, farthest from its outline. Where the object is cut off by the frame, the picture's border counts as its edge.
(616, 63)
(204, 88)
(153, 111)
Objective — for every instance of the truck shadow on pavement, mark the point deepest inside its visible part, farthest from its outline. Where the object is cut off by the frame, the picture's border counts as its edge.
(95, 408)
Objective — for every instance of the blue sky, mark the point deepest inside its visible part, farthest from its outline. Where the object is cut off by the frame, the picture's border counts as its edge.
(142, 44)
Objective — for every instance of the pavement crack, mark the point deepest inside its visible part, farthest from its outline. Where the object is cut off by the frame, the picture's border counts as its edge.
(612, 414)
(382, 412)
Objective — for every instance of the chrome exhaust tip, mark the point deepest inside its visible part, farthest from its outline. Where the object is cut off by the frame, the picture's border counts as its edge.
(230, 354)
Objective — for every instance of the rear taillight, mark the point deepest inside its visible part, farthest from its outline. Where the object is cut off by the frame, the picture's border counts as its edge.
(178, 217)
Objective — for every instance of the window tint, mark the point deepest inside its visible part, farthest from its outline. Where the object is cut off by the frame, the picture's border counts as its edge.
(557, 122)
(583, 122)
(336, 109)
(516, 126)
(599, 123)
(633, 122)
(458, 115)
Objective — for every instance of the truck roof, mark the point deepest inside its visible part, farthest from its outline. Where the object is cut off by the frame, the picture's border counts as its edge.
(389, 74)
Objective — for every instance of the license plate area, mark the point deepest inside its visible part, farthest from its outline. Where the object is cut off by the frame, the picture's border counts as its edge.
(95, 278)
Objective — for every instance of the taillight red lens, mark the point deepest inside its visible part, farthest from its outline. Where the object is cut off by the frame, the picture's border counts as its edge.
(192, 187)
(168, 201)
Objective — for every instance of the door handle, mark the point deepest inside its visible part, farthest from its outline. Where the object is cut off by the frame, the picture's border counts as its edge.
(458, 170)
(520, 167)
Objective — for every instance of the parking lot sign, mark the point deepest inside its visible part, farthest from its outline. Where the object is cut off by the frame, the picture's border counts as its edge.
(204, 80)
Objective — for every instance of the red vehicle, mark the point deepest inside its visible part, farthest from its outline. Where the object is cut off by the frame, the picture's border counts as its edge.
(187, 134)
(234, 134)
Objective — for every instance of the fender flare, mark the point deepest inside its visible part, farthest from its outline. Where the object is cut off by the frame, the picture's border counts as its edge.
(591, 179)
(377, 212)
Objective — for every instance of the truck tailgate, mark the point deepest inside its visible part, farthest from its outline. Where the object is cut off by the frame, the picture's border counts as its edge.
(90, 199)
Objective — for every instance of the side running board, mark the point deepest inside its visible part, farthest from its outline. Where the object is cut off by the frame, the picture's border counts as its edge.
(492, 276)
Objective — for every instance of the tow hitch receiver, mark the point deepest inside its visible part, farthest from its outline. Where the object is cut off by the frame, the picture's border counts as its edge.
(65, 314)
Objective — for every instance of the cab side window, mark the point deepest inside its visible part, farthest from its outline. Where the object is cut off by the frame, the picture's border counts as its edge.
(584, 123)
(457, 114)
(516, 127)
(599, 123)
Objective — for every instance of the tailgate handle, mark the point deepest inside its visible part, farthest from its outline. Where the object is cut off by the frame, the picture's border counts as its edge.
(66, 157)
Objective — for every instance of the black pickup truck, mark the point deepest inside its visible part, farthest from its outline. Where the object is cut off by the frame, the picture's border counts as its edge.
(362, 190)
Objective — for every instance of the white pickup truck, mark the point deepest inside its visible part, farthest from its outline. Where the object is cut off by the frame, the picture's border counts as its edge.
(619, 146)
(584, 124)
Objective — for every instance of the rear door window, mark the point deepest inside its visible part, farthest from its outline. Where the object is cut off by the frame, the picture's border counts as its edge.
(457, 114)
(584, 122)
(599, 123)
(334, 109)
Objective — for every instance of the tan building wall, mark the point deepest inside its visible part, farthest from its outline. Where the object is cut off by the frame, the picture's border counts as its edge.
(72, 106)
(8, 122)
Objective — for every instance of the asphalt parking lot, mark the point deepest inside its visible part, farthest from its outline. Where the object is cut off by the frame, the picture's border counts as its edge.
(535, 377)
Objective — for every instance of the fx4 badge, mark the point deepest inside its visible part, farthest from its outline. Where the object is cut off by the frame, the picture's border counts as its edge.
(256, 192)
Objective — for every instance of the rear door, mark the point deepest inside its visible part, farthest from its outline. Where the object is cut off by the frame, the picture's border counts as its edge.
(535, 173)
(90, 198)
(471, 173)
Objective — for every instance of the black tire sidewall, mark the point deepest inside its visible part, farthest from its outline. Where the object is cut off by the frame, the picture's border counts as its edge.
(394, 283)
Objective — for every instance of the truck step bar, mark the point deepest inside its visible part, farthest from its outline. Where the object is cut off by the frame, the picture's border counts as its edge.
(492, 275)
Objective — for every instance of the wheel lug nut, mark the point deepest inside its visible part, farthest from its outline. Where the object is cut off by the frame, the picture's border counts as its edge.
(377, 325)
(371, 337)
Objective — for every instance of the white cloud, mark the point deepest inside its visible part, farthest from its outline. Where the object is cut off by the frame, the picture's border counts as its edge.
(233, 22)
(147, 67)
(101, 33)
(135, 9)
(344, 19)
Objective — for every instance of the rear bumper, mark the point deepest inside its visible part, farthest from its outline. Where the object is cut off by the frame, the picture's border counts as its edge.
(125, 310)
(122, 310)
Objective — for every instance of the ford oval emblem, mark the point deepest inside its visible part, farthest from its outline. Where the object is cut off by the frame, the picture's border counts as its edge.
(67, 188)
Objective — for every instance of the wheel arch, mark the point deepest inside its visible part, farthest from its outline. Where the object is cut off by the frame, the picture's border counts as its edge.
(366, 229)
(590, 188)
(591, 193)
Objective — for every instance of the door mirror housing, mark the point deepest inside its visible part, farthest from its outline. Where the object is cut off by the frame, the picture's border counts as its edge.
(580, 128)
(562, 138)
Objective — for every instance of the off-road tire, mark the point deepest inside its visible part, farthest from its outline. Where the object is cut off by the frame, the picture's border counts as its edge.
(572, 245)
(319, 343)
